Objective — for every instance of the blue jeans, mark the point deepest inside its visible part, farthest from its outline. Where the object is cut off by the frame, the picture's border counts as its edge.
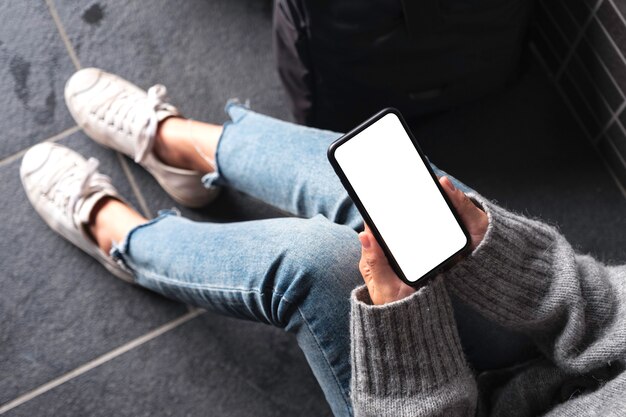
(296, 273)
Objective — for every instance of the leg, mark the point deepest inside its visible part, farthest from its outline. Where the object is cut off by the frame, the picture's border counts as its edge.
(305, 184)
(280, 163)
(254, 270)
(277, 162)
(187, 144)
(300, 285)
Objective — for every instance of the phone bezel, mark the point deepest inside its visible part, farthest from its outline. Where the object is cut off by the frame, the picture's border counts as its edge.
(366, 217)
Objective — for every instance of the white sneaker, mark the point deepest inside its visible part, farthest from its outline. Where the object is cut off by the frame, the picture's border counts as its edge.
(63, 188)
(121, 116)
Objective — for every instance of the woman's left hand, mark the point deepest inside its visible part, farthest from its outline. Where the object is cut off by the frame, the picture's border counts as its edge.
(383, 284)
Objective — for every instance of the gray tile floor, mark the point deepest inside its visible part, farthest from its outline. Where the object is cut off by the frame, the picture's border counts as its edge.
(73, 340)
(76, 342)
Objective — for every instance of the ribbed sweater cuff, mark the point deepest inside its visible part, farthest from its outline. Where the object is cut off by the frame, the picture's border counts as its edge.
(408, 346)
(509, 274)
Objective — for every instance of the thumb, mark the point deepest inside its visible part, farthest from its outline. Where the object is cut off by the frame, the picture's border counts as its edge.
(374, 263)
(383, 284)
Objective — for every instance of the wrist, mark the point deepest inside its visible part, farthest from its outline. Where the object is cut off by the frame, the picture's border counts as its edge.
(381, 296)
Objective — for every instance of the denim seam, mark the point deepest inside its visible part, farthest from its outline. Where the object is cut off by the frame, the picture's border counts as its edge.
(155, 276)
(319, 346)
(161, 278)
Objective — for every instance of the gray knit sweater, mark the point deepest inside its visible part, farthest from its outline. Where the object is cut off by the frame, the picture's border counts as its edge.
(407, 359)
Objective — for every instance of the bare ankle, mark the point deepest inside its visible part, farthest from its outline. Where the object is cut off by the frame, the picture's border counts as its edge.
(187, 144)
(169, 147)
(110, 221)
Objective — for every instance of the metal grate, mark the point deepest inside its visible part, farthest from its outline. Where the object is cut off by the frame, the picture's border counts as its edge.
(583, 46)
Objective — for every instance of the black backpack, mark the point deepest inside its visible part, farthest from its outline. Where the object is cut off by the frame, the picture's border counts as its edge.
(342, 60)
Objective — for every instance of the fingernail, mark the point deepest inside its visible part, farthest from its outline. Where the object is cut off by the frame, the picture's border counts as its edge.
(450, 185)
(365, 240)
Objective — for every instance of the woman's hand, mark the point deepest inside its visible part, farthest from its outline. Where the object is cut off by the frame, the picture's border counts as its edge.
(383, 284)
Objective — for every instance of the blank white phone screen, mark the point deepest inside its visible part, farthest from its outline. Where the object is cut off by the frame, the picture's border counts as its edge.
(399, 194)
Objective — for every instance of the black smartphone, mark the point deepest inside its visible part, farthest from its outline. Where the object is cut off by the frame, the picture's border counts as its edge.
(399, 196)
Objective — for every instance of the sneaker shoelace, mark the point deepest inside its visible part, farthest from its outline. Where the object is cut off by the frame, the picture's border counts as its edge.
(121, 110)
(81, 183)
(157, 95)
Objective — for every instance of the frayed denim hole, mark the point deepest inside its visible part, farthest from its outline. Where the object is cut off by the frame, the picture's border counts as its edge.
(168, 212)
(120, 249)
(236, 110)
(214, 179)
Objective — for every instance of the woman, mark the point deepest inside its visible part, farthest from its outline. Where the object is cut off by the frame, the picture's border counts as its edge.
(379, 349)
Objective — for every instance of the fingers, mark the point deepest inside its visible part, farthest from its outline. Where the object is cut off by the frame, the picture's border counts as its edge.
(461, 202)
(383, 284)
(474, 219)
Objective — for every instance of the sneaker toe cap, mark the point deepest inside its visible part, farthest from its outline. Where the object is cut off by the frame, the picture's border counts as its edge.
(81, 81)
(35, 158)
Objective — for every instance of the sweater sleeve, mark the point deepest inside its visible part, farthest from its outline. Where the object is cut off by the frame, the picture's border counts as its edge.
(525, 276)
(407, 359)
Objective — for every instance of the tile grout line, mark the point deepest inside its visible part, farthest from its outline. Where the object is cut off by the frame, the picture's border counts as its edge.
(63, 33)
(133, 184)
(55, 138)
(74, 57)
(100, 360)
